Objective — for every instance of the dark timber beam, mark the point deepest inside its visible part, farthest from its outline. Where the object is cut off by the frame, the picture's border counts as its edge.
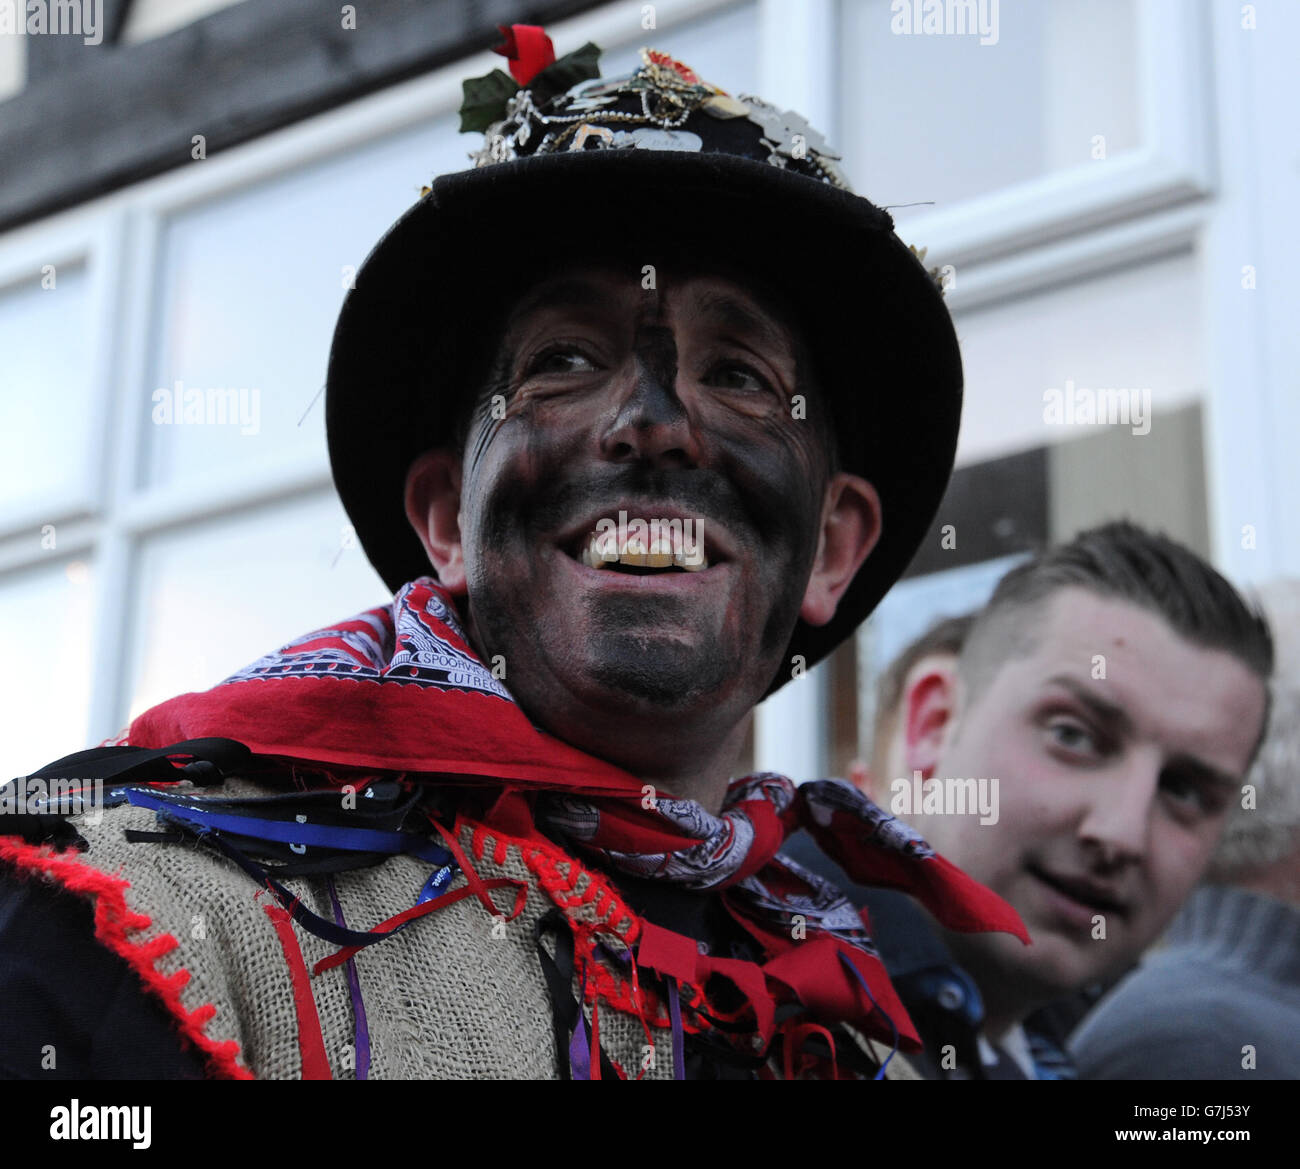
(50, 57)
(94, 118)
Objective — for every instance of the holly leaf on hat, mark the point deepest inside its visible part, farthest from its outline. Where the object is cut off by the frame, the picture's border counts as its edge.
(581, 65)
(485, 100)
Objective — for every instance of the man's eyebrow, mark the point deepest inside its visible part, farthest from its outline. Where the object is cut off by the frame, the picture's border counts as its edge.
(1187, 765)
(563, 293)
(1108, 712)
(1197, 769)
(740, 318)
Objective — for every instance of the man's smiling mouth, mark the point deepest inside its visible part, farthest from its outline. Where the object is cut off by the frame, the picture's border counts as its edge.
(643, 541)
(639, 557)
(1081, 890)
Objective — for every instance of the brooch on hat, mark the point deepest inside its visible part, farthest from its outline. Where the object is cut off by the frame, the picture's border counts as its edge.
(547, 105)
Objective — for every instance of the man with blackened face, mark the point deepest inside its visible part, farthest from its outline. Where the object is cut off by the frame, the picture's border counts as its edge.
(616, 416)
(679, 402)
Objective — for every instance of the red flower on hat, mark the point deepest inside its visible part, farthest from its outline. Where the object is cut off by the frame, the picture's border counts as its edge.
(528, 49)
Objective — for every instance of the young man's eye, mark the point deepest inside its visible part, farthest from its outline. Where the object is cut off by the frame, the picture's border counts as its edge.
(1189, 796)
(1072, 737)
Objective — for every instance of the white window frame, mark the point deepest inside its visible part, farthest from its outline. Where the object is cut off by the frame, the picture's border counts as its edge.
(1172, 164)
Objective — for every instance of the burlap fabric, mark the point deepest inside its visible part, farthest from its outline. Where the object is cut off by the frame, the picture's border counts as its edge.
(458, 994)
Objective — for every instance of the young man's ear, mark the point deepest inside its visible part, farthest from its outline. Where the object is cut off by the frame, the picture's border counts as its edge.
(433, 511)
(850, 528)
(928, 713)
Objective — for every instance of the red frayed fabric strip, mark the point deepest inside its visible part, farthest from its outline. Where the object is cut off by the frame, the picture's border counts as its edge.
(416, 911)
(595, 1038)
(311, 1041)
(793, 1036)
(476, 882)
(814, 973)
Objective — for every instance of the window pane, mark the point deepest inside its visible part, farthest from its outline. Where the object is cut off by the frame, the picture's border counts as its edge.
(213, 597)
(45, 630)
(250, 288)
(1137, 330)
(45, 388)
(942, 118)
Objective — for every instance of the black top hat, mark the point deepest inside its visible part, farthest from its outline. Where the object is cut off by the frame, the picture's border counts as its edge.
(655, 163)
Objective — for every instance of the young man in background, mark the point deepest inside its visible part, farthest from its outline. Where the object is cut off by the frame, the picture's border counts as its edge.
(1078, 751)
(1221, 999)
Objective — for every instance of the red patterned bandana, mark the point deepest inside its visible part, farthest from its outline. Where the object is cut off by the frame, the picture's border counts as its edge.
(398, 689)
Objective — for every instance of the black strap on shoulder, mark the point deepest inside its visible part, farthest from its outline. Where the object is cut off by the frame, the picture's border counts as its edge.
(210, 760)
(39, 820)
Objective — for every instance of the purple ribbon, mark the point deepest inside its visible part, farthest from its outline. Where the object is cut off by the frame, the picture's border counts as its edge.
(354, 989)
(679, 1046)
(579, 1051)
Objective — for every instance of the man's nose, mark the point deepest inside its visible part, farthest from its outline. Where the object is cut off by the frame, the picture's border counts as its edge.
(651, 424)
(1117, 822)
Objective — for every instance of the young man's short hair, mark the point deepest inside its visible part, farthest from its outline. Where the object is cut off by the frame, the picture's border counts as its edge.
(1125, 562)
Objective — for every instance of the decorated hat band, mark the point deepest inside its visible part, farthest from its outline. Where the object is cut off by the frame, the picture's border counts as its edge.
(550, 106)
(547, 111)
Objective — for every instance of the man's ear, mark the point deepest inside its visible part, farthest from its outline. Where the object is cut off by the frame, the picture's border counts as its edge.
(851, 525)
(928, 713)
(433, 511)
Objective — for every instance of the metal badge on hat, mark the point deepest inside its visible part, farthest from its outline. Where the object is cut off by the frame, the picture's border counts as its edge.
(548, 105)
(532, 117)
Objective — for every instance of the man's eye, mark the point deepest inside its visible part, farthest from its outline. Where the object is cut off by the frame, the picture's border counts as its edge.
(561, 359)
(732, 375)
(1072, 737)
(1188, 795)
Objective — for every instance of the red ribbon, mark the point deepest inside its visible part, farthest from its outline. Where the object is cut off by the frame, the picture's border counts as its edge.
(311, 1040)
(528, 49)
